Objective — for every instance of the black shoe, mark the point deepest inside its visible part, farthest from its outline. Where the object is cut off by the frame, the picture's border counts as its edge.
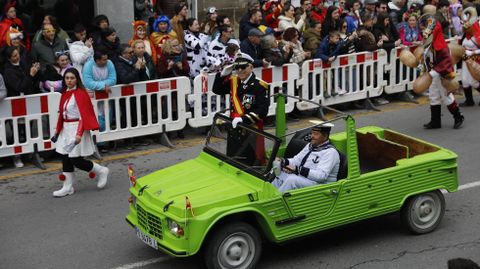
(467, 103)
(432, 125)
(458, 122)
(292, 117)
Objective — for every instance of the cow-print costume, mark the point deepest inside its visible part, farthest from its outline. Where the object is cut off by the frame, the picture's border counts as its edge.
(196, 44)
(215, 55)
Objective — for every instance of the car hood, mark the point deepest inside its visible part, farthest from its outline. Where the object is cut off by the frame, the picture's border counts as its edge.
(206, 181)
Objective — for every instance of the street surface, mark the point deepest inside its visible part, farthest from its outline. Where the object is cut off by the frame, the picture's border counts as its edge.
(88, 229)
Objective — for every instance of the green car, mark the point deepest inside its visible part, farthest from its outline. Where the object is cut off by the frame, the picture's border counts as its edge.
(223, 206)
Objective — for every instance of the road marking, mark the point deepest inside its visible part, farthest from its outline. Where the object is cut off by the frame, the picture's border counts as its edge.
(469, 185)
(144, 263)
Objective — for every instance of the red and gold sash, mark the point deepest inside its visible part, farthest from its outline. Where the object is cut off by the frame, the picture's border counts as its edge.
(237, 109)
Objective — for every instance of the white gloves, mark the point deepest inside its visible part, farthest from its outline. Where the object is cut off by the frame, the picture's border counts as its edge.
(236, 121)
(469, 53)
(434, 73)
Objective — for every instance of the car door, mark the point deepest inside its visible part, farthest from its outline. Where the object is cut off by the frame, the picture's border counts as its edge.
(312, 205)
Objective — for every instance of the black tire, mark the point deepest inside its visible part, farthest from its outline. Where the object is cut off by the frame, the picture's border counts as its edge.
(237, 245)
(422, 213)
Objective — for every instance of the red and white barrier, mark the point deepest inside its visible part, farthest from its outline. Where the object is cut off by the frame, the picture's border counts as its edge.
(359, 75)
(280, 79)
(205, 102)
(401, 77)
(27, 123)
(142, 108)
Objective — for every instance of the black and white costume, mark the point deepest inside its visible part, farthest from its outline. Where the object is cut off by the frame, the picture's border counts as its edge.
(215, 54)
(196, 44)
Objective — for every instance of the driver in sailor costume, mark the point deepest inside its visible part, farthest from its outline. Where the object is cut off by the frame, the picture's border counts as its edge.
(317, 163)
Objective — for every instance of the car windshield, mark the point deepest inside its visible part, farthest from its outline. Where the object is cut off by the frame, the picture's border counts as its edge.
(246, 147)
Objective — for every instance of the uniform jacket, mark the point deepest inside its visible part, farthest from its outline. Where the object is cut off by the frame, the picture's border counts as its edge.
(253, 96)
(321, 165)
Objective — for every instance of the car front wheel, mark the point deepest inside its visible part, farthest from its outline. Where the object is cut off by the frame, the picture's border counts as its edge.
(422, 213)
(237, 245)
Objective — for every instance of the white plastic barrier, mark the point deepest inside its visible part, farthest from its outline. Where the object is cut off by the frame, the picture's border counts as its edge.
(27, 123)
(360, 75)
(206, 103)
(142, 108)
(401, 77)
(280, 79)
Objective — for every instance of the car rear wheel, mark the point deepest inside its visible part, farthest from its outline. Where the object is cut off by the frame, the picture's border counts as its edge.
(423, 213)
(237, 245)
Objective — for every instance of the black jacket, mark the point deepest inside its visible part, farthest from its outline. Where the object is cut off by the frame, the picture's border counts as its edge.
(254, 51)
(18, 80)
(126, 72)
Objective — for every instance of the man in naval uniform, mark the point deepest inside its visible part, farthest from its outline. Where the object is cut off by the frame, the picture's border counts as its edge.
(249, 105)
(317, 163)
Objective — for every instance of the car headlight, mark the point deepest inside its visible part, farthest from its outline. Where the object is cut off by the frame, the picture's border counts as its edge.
(175, 228)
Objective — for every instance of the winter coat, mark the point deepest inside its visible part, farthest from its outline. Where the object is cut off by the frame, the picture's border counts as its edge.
(18, 80)
(274, 56)
(79, 54)
(93, 84)
(162, 65)
(253, 50)
(44, 52)
(327, 50)
(111, 48)
(126, 72)
(284, 23)
(312, 40)
(298, 55)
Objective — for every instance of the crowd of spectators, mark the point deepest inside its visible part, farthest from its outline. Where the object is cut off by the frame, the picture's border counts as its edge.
(271, 32)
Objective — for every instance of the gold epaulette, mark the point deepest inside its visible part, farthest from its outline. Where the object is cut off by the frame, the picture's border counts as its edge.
(264, 84)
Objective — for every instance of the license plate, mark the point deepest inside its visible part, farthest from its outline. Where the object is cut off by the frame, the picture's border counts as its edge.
(146, 239)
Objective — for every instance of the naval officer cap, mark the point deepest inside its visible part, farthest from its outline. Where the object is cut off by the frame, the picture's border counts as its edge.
(242, 60)
(323, 127)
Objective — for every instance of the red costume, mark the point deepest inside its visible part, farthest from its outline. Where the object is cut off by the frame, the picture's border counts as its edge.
(8, 23)
(442, 62)
(88, 121)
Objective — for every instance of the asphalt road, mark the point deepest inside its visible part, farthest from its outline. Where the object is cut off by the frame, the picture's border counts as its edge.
(88, 230)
